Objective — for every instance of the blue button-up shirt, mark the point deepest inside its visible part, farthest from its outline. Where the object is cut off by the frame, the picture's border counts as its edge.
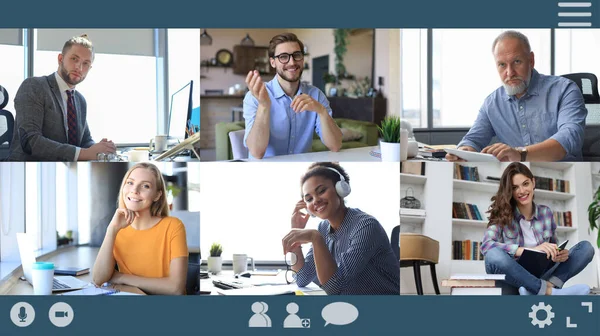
(290, 132)
(552, 108)
(366, 263)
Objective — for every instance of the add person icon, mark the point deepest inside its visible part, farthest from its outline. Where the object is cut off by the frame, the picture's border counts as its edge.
(292, 321)
(259, 319)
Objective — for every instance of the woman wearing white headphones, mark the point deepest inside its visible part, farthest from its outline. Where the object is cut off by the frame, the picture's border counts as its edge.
(351, 252)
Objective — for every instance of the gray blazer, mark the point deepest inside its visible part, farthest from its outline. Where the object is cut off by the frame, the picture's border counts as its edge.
(40, 133)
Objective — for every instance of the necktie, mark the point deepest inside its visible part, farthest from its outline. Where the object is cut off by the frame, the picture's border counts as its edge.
(71, 118)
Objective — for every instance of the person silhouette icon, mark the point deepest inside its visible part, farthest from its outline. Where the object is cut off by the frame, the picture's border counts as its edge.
(259, 319)
(292, 321)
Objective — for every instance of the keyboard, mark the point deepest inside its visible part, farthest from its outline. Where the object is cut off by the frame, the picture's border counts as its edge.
(58, 285)
(226, 285)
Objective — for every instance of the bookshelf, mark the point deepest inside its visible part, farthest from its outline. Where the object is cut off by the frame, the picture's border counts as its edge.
(411, 223)
(439, 188)
(414, 220)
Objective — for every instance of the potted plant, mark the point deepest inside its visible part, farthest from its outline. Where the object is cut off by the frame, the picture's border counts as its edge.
(330, 82)
(593, 216)
(340, 48)
(173, 190)
(390, 138)
(214, 260)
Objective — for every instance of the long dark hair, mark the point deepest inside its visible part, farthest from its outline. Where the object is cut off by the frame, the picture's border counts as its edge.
(503, 203)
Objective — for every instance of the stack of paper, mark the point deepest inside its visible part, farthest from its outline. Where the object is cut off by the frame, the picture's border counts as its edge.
(474, 284)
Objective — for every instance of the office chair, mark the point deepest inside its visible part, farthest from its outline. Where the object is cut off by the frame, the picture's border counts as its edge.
(588, 84)
(192, 283)
(236, 139)
(7, 120)
(417, 250)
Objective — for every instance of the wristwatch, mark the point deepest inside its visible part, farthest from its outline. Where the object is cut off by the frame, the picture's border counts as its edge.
(523, 152)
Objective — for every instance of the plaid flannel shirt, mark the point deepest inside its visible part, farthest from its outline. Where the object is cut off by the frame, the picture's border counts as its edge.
(509, 237)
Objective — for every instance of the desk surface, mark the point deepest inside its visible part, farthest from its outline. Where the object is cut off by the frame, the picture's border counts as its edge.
(71, 257)
(360, 154)
(254, 280)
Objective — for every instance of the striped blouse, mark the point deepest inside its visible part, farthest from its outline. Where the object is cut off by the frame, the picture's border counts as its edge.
(363, 254)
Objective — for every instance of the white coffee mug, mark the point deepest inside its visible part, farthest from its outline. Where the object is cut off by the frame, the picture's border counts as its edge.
(158, 143)
(42, 275)
(138, 155)
(240, 263)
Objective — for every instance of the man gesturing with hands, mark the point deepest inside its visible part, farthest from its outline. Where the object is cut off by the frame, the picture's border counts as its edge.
(281, 115)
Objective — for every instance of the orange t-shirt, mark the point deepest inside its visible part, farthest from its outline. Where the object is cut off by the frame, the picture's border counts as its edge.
(148, 253)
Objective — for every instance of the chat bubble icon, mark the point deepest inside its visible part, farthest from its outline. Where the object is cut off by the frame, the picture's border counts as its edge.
(339, 313)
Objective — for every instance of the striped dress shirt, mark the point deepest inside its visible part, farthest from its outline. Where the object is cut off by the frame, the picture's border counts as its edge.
(366, 263)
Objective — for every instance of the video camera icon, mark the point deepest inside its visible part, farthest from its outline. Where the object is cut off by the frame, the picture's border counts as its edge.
(61, 314)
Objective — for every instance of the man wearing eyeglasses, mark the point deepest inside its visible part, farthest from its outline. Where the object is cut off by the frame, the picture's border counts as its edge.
(50, 118)
(281, 115)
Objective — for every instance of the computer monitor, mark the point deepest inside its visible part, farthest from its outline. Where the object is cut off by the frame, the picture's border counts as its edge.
(180, 112)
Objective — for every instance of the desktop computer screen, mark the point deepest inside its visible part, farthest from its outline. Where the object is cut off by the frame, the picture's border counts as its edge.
(180, 112)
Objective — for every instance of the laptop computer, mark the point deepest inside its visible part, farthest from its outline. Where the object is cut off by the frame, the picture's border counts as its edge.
(60, 283)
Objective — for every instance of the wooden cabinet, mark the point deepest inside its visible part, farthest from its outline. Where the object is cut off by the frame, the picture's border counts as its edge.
(364, 108)
(247, 58)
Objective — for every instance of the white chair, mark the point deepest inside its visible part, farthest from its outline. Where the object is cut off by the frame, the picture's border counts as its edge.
(236, 138)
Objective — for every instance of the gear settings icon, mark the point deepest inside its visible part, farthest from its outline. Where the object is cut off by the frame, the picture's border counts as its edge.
(544, 322)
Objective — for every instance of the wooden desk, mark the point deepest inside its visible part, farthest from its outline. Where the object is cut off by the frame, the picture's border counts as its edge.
(71, 256)
(360, 154)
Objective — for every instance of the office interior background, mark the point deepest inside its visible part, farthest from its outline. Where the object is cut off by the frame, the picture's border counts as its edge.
(46, 200)
(129, 86)
(250, 213)
(448, 73)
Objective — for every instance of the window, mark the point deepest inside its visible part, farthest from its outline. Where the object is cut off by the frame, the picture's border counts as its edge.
(414, 76)
(61, 198)
(463, 73)
(12, 211)
(33, 223)
(83, 202)
(577, 51)
(193, 180)
(12, 66)
(184, 64)
(250, 212)
(120, 88)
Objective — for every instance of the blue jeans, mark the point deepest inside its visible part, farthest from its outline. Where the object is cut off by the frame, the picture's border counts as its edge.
(497, 261)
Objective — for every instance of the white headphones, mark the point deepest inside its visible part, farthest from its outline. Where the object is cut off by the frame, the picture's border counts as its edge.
(341, 187)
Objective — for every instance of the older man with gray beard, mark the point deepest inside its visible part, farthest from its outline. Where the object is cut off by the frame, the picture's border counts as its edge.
(534, 116)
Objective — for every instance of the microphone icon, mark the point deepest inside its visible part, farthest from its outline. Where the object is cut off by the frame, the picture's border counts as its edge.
(22, 314)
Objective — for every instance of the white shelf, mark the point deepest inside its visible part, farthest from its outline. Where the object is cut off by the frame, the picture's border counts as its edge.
(493, 188)
(554, 195)
(476, 186)
(470, 222)
(565, 229)
(552, 165)
(404, 219)
(412, 179)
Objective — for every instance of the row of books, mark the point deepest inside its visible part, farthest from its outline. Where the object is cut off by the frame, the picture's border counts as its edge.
(466, 211)
(546, 183)
(563, 218)
(466, 173)
(466, 250)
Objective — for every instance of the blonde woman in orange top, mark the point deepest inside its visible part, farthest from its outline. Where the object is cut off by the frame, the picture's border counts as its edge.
(148, 247)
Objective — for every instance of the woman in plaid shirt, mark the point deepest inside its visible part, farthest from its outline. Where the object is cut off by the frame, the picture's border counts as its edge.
(516, 223)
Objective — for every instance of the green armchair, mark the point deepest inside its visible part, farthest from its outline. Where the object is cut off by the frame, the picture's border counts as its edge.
(368, 131)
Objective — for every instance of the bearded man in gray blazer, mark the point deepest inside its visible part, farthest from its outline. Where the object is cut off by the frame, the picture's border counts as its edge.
(50, 118)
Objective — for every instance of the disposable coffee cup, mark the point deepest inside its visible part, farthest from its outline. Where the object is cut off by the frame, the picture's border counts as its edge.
(42, 275)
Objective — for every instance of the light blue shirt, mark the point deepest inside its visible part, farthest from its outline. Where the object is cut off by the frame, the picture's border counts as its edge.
(290, 132)
(552, 108)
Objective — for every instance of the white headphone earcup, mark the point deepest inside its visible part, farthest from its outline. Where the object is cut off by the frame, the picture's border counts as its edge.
(342, 188)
